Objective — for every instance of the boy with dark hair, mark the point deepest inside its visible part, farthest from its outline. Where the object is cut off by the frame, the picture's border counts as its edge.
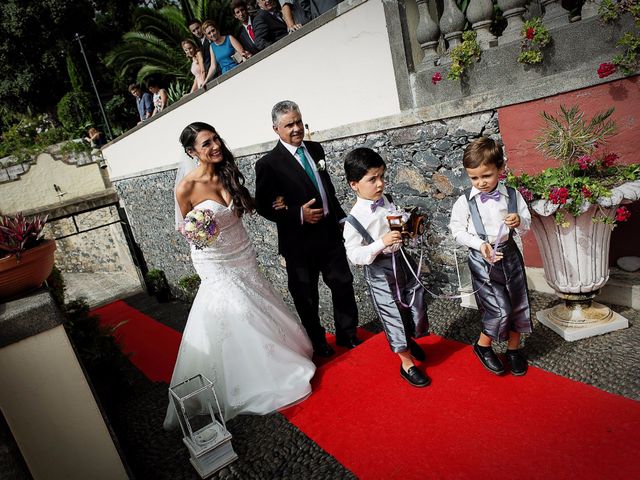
(396, 294)
(485, 215)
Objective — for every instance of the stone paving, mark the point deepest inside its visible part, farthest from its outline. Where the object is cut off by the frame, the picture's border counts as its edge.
(98, 288)
(270, 447)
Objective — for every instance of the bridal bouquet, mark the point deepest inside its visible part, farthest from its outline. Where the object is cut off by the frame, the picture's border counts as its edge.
(200, 228)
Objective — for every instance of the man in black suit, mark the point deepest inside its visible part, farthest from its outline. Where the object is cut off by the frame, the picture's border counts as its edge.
(268, 24)
(195, 27)
(309, 233)
(247, 34)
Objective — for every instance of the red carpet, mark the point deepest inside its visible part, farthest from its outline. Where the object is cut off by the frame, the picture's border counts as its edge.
(468, 423)
(151, 346)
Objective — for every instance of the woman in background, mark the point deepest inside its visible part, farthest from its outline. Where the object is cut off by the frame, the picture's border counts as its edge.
(192, 51)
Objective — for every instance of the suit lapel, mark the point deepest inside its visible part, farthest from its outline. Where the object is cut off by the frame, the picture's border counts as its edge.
(292, 166)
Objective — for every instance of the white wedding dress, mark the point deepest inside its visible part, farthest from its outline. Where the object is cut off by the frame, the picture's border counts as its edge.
(240, 334)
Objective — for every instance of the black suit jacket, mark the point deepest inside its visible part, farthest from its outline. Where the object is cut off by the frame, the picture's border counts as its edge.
(245, 40)
(279, 173)
(268, 29)
(206, 54)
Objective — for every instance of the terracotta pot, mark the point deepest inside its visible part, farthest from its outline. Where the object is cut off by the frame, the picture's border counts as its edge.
(28, 273)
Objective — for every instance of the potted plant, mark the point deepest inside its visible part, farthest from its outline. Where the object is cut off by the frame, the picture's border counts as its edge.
(157, 284)
(188, 287)
(574, 207)
(26, 259)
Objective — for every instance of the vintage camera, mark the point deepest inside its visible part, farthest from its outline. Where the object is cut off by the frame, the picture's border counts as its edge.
(409, 222)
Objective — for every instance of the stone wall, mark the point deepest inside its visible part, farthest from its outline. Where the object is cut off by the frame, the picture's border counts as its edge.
(424, 169)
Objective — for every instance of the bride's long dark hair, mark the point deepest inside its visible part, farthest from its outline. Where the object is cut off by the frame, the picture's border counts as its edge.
(229, 173)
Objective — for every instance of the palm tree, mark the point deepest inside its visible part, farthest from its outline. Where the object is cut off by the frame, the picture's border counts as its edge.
(153, 46)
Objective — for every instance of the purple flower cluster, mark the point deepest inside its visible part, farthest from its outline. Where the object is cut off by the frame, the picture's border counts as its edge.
(200, 228)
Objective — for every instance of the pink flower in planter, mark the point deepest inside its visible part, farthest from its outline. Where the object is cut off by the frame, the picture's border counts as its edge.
(609, 159)
(606, 69)
(584, 162)
(526, 194)
(622, 214)
(559, 196)
(436, 78)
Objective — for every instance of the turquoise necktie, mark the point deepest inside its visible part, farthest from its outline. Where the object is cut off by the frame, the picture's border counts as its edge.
(307, 166)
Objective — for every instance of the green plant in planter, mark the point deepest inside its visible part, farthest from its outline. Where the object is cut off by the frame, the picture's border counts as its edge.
(189, 286)
(535, 37)
(55, 282)
(628, 62)
(20, 233)
(157, 284)
(463, 55)
(587, 171)
(73, 148)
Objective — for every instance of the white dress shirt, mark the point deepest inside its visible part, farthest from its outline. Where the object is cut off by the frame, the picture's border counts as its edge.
(293, 150)
(376, 224)
(492, 213)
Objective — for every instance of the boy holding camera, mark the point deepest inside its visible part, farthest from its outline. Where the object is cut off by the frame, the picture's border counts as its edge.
(396, 294)
(484, 216)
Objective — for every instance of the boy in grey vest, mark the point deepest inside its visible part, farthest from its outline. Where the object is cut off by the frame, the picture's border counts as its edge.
(482, 217)
(397, 297)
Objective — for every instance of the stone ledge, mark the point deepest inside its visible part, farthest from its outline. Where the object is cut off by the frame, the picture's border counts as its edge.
(28, 316)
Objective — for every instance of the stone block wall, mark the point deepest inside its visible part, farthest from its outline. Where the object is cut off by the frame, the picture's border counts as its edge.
(424, 168)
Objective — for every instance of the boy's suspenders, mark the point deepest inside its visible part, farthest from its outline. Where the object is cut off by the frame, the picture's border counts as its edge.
(512, 207)
(358, 226)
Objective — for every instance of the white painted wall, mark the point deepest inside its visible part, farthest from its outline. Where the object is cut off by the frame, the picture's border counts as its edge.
(52, 413)
(340, 73)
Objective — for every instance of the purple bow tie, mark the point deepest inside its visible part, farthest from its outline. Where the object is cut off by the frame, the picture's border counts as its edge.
(377, 203)
(485, 197)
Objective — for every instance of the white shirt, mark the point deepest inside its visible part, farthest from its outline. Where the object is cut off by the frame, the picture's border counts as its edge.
(376, 224)
(492, 213)
(293, 150)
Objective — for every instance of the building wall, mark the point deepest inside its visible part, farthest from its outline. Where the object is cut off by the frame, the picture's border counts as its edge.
(520, 124)
(35, 187)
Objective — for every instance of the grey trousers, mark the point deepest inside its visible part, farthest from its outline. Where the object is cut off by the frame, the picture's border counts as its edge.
(400, 323)
(502, 296)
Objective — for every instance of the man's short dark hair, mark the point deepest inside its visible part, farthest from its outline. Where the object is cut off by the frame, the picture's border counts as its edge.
(135, 86)
(359, 161)
(192, 21)
(238, 3)
(483, 151)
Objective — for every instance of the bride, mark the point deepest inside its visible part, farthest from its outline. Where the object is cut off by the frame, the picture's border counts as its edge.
(239, 333)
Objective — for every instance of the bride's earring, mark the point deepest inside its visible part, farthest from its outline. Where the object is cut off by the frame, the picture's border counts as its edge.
(197, 162)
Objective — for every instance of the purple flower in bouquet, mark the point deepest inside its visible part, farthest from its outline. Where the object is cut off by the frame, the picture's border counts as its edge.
(200, 228)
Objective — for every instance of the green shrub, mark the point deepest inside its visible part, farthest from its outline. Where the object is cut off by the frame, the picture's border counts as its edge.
(74, 111)
(189, 286)
(55, 282)
(122, 114)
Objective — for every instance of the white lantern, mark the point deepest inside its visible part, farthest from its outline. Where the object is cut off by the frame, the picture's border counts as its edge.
(203, 426)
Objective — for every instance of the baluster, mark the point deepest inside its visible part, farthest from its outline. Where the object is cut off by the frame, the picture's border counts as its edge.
(512, 11)
(427, 33)
(480, 13)
(590, 9)
(451, 24)
(554, 15)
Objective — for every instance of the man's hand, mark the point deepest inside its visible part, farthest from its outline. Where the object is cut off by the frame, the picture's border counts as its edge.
(311, 215)
(512, 220)
(279, 203)
(487, 253)
(391, 238)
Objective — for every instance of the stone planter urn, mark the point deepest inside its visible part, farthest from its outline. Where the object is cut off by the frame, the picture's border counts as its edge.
(19, 276)
(576, 264)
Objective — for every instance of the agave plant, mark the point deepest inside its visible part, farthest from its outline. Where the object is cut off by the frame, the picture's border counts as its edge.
(20, 233)
(153, 46)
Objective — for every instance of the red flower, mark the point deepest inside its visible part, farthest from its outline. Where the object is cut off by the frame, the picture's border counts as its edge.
(609, 159)
(526, 193)
(622, 214)
(584, 162)
(436, 78)
(530, 33)
(559, 196)
(586, 193)
(606, 69)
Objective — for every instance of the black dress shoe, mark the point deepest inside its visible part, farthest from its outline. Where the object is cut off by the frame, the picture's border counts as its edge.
(416, 351)
(323, 350)
(489, 359)
(351, 342)
(415, 377)
(517, 362)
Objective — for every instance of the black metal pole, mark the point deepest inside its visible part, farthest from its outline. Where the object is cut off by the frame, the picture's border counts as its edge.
(95, 89)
